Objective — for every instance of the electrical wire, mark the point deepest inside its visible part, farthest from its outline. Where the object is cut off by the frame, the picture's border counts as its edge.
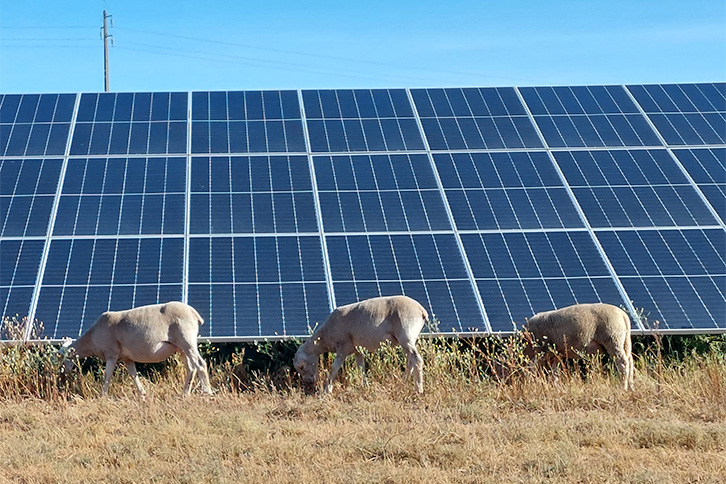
(321, 56)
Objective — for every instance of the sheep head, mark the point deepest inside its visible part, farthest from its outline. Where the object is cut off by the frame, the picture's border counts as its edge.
(306, 364)
(68, 353)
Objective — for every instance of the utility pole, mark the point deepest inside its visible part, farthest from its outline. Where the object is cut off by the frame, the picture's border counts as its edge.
(106, 36)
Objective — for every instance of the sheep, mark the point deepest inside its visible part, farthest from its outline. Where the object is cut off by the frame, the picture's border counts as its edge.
(367, 324)
(583, 327)
(146, 334)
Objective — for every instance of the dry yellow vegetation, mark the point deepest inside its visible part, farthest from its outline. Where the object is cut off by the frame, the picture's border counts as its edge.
(466, 427)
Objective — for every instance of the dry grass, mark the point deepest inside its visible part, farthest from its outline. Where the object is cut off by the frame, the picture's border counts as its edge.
(467, 427)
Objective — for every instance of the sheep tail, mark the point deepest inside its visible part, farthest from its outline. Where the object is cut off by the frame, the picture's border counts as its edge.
(200, 319)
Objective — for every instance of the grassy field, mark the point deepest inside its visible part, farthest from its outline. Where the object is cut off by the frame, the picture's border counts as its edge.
(466, 427)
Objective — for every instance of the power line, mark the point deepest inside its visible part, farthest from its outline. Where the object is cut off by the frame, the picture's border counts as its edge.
(46, 46)
(237, 58)
(49, 39)
(321, 56)
(280, 66)
(47, 27)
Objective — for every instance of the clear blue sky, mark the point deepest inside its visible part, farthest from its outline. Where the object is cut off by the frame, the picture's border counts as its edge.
(55, 46)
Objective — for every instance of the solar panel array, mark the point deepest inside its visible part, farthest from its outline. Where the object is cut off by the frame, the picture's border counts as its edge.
(266, 209)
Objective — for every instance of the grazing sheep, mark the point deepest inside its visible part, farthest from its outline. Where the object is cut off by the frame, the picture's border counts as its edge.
(583, 327)
(367, 324)
(147, 334)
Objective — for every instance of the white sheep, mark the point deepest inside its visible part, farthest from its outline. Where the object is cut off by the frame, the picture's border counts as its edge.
(366, 324)
(146, 334)
(583, 327)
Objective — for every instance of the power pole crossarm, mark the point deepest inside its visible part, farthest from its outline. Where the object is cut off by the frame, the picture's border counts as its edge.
(106, 36)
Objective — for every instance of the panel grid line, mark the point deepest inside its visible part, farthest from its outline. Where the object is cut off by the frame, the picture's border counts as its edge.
(187, 199)
(231, 224)
(372, 152)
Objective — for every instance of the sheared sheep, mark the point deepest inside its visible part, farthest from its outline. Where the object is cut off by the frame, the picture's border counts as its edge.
(367, 324)
(146, 334)
(583, 327)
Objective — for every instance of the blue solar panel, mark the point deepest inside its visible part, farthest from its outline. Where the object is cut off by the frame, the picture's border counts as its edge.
(27, 190)
(122, 196)
(643, 188)
(348, 121)
(692, 114)
(19, 263)
(251, 195)
(266, 209)
(518, 190)
(246, 122)
(677, 276)
(369, 193)
(588, 117)
(519, 274)
(707, 167)
(84, 277)
(491, 118)
(427, 267)
(34, 124)
(130, 123)
(257, 286)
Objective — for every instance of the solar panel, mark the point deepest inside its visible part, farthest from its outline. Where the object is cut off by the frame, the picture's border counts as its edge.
(518, 273)
(511, 190)
(387, 192)
(629, 188)
(487, 118)
(689, 114)
(266, 209)
(588, 117)
(707, 168)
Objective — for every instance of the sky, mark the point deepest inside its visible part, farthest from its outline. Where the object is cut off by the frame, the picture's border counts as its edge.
(182, 45)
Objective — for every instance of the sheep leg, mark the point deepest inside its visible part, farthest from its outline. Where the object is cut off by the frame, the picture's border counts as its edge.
(623, 361)
(340, 357)
(201, 368)
(631, 362)
(110, 366)
(361, 362)
(194, 363)
(204, 375)
(414, 366)
(550, 361)
(625, 368)
(131, 368)
(631, 377)
(191, 371)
